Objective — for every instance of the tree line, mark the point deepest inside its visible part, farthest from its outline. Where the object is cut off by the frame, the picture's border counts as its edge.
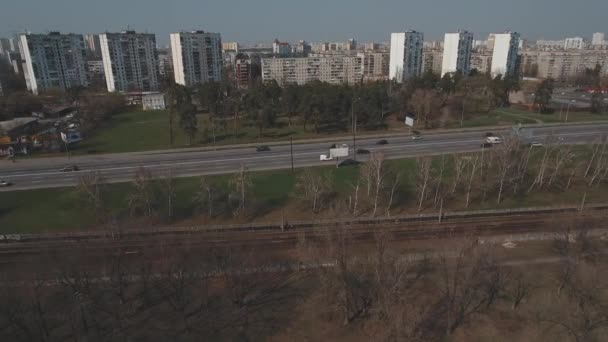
(233, 293)
(512, 170)
(322, 107)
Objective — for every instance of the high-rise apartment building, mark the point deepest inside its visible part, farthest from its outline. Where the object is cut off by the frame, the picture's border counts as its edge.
(505, 54)
(53, 61)
(457, 52)
(242, 71)
(92, 44)
(331, 69)
(574, 43)
(432, 59)
(197, 57)
(281, 48)
(129, 61)
(7, 45)
(598, 39)
(406, 55)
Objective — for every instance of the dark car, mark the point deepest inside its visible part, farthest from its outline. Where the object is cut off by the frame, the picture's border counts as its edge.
(70, 168)
(347, 162)
(262, 148)
(381, 142)
(4, 183)
(362, 151)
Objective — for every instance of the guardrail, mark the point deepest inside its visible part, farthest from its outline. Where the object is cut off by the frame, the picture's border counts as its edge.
(295, 225)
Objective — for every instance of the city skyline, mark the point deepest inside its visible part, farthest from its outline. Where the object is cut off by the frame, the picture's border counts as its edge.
(262, 21)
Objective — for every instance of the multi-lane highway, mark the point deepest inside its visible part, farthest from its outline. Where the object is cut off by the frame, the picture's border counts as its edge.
(45, 172)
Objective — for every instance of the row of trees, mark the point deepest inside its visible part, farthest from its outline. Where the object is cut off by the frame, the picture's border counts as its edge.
(508, 170)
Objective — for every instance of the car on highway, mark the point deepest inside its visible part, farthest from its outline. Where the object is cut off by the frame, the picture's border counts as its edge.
(382, 142)
(362, 151)
(5, 183)
(535, 144)
(70, 168)
(262, 148)
(347, 162)
(325, 157)
(416, 135)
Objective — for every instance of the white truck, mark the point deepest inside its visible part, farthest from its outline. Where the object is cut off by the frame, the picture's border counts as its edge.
(325, 157)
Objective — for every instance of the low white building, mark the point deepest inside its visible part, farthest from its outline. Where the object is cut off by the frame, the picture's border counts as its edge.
(153, 101)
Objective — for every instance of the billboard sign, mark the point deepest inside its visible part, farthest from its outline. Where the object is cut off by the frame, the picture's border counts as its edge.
(409, 121)
(338, 152)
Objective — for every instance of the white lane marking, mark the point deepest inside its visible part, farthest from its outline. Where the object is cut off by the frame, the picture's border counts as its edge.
(274, 156)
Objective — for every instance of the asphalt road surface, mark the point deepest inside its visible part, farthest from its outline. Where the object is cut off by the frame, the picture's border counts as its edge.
(35, 173)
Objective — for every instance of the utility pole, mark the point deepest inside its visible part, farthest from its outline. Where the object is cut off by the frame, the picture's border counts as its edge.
(354, 128)
(291, 149)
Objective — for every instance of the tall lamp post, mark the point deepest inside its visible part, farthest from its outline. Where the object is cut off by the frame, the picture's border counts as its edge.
(354, 127)
(568, 109)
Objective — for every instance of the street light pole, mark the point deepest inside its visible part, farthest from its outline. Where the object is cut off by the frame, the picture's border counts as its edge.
(291, 148)
(568, 111)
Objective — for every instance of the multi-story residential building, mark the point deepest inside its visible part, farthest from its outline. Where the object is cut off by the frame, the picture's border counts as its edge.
(165, 63)
(303, 48)
(432, 59)
(8, 45)
(562, 64)
(406, 55)
(53, 61)
(281, 48)
(550, 44)
(481, 60)
(598, 39)
(574, 43)
(242, 71)
(130, 61)
(334, 70)
(457, 52)
(505, 47)
(350, 45)
(197, 57)
(376, 65)
(230, 46)
(92, 44)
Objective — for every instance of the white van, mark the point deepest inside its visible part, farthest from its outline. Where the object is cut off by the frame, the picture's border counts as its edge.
(493, 140)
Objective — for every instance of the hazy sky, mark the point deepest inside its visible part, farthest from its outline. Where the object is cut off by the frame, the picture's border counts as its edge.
(313, 20)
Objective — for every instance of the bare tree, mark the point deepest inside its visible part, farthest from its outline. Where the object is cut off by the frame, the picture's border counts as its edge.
(312, 187)
(205, 196)
(394, 184)
(422, 183)
(241, 183)
(142, 198)
(90, 186)
(459, 165)
(169, 194)
(563, 156)
(439, 181)
(376, 168)
(504, 155)
(474, 164)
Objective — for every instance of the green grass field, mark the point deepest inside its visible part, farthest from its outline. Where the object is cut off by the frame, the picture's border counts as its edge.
(51, 210)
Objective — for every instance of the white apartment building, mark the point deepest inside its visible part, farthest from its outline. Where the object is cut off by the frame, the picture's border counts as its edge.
(550, 44)
(129, 61)
(574, 43)
(406, 55)
(53, 60)
(504, 55)
(197, 57)
(598, 39)
(334, 70)
(457, 52)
